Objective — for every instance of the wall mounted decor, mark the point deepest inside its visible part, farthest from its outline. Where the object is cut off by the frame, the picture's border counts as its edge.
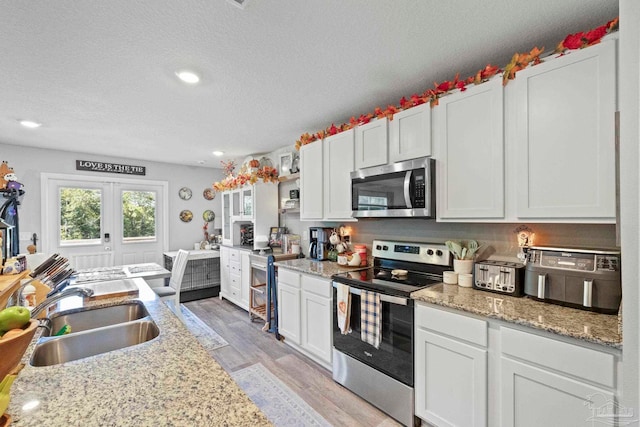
(185, 193)
(186, 215)
(208, 215)
(209, 194)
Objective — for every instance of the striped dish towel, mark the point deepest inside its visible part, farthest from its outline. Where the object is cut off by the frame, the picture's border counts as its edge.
(370, 316)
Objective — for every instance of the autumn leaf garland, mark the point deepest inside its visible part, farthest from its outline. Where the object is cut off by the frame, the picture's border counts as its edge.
(519, 61)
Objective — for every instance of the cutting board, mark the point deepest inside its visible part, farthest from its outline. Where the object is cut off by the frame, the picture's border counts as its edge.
(8, 284)
(112, 288)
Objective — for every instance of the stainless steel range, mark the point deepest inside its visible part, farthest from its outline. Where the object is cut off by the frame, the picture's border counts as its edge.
(384, 375)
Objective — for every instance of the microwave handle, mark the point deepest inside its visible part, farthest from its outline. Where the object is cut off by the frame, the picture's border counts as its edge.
(407, 186)
(383, 298)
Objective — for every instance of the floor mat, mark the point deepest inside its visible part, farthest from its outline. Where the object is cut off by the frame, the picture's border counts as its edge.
(279, 403)
(209, 338)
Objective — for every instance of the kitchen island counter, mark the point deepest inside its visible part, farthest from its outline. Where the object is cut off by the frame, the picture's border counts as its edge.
(588, 326)
(170, 380)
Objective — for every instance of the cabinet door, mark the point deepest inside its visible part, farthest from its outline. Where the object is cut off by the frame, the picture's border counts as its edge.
(289, 312)
(535, 397)
(565, 135)
(451, 381)
(338, 164)
(236, 205)
(245, 278)
(469, 141)
(410, 134)
(311, 181)
(226, 218)
(316, 313)
(225, 280)
(246, 199)
(371, 144)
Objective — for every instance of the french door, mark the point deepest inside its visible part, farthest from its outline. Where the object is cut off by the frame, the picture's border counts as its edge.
(98, 222)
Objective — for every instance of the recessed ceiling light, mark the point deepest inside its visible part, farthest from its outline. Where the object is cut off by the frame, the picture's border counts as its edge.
(188, 77)
(218, 153)
(30, 124)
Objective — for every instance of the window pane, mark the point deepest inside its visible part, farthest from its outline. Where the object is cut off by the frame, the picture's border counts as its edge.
(79, 215)
(138, 215)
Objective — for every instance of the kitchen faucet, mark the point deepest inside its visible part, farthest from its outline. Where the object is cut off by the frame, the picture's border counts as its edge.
(76, 290)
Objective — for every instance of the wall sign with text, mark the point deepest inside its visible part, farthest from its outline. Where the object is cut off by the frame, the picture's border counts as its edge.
(86, 165)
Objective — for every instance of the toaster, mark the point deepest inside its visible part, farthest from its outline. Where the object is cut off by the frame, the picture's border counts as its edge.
(499, 276)
(587, 279)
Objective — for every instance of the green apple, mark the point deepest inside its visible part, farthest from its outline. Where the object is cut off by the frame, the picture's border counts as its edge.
(13, 317)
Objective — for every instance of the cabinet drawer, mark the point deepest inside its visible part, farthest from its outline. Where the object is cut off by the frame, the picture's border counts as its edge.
(572, 359)
(317, 286)
(289, 277)
(456, 325)
(235, 267)
(234, 255)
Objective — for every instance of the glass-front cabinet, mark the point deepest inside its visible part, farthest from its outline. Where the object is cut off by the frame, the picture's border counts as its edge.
(226, 218)
(247, 203)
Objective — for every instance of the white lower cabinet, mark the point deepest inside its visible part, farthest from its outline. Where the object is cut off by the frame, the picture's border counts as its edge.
(289, 305)
(304, 314)
(235, 276)
(550, 382)
(450, 373)
(475, 372)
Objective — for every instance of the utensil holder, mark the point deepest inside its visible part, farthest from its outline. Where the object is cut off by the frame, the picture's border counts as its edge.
(463, 266)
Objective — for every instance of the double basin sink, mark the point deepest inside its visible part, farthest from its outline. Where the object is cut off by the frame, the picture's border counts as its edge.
(94, 331)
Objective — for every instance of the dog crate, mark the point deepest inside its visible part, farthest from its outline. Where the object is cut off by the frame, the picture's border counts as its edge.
(201, 277)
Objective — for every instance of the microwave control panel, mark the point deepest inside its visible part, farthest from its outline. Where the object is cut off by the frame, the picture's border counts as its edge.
(420, 187)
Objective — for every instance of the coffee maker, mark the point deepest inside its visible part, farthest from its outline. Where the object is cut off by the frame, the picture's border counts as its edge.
(319, 242)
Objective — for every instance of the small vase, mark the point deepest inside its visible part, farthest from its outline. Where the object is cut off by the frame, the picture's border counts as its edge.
(463, 266)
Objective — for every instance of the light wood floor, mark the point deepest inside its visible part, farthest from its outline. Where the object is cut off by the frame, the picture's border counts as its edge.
(249, 345)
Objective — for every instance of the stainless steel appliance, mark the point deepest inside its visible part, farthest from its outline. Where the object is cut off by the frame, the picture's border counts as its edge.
(499, 276)
(384, 376)
(587, 279)
(319, 242)
(404, 189)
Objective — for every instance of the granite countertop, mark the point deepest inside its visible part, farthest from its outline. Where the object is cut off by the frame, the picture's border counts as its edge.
(584, 325)
(170, 380)
(324, 269)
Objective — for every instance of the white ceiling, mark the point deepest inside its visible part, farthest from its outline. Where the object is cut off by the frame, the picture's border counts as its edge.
(100, 76)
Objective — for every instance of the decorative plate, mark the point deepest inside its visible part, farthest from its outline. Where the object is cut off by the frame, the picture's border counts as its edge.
(185, 193)
(208, 215)
(186, 215)
(209, 194)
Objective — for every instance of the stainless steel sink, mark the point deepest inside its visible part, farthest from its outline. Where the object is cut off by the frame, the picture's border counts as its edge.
(65, 348)
(97, 317)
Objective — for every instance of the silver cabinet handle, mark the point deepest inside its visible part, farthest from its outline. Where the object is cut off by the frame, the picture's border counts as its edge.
(587, 292)
(541, 285)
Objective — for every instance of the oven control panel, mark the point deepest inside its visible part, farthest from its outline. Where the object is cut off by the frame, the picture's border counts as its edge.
(426, 253)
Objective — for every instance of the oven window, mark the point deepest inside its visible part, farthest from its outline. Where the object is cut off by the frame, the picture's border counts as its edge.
(395, 355)
(379, 192)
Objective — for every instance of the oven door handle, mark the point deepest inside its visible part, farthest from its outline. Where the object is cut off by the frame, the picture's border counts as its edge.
(383, 298)
(407, 188)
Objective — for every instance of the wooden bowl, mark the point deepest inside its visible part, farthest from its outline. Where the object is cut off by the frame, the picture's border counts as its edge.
(13, 349)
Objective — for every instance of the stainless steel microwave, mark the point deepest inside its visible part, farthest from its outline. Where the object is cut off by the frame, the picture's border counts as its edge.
(403, 189)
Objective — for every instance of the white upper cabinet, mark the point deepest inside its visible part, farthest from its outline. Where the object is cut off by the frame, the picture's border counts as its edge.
(410, 134)
(311, 195)
(469, 148)
(371, 144)
(565, 136)
(338, 164)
